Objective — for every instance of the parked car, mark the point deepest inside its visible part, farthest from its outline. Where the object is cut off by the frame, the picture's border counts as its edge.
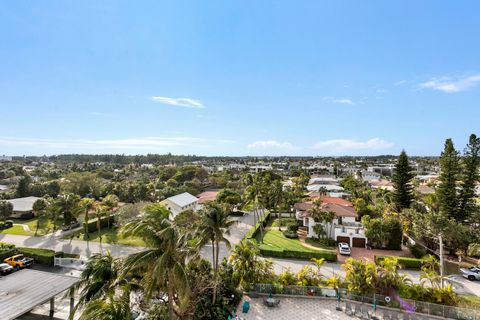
(5, 269)
(19, 261)
(73, 225)
(344, 248)
(472, 273)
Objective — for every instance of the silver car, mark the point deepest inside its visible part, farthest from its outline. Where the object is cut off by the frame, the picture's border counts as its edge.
(472, 273)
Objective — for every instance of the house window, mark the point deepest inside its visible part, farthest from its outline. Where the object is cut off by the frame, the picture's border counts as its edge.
(343, 230)
(339, 220)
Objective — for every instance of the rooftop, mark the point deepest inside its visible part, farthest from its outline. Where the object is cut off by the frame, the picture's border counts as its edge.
(23, 204)
(207, 196)
(21, 291)
(183, 199)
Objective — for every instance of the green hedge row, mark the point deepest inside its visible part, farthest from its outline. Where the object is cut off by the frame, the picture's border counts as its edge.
(40, 256)
(252, 233)
(305, 255)
(6, 253)
(407, 263)
(92, 223)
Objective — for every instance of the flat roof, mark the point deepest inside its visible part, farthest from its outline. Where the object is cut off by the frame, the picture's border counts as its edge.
(183, 199)
(22, 291)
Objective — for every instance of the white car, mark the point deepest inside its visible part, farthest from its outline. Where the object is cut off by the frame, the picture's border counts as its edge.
(344, 248)
(472, 273)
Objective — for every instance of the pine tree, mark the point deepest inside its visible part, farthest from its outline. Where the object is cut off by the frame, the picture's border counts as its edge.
(23, 187)
(449, 173)
(470, 175)
(402, 182)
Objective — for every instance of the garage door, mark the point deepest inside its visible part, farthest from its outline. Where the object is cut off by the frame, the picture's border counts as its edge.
(358, 242)
(343, 239)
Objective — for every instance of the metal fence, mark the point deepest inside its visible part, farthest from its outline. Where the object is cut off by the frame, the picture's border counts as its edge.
(77, 264)
(371, 303)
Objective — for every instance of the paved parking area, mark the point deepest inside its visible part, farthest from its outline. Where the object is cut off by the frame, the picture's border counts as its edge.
(293, 308)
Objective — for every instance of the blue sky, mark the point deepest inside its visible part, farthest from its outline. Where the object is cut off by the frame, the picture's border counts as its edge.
(238, 77)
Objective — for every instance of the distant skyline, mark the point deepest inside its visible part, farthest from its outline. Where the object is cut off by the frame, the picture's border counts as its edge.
(238, 78)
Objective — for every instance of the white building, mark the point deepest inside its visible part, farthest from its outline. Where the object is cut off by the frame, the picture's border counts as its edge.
(179, 203)
(344, 227)
(370, 175)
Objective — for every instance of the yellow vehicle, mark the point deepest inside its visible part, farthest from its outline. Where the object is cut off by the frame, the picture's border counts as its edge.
(19, 261)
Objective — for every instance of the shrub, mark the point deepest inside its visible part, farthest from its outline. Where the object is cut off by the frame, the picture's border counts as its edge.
(407, 263)
(474, 250)
(252, 233)
(305, 255)
(8, 224)
(292, 227)
(289, 234)
(40, 256)
(325, 242)
(418, 251)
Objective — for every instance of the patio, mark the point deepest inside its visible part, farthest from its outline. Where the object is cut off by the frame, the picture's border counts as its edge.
(293, 308)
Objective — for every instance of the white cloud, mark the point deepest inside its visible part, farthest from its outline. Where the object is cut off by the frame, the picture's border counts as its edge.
(118, 144)
(345, 146)
(179, 102)
(449, 85)
(338, 100)
(271, 144)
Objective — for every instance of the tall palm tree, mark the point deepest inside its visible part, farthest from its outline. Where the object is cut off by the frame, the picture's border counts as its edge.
(163, 263)
(69, 206)
(39, 208)
(110, 202)
(215, 223)
(87, 204)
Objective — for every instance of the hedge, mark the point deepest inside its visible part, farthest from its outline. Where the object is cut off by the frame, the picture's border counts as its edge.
(92, 224)
(252, 233)
(40, 256)
(306, 255)
(407, 263)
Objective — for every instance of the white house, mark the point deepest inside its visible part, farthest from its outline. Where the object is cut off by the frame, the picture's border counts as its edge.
(23, 207)
(344, 227)
(179, 203)
(370, 175)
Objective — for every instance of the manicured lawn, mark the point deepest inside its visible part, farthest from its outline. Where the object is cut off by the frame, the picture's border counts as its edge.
(275, 240)
(18, 230)
(109, 236)
(45, 226)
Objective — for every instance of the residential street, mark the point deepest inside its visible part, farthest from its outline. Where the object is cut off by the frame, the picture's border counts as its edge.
(85, 248)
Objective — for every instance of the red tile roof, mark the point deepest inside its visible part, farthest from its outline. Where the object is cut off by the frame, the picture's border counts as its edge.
(207, 196)
(340, 211)
(332, 200)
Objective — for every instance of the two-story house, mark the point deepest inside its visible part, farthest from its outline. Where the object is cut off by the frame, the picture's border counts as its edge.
(343, 228)
(179, 203)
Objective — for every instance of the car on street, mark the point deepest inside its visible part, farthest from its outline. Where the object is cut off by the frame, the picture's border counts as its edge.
(19, 261)
(344, 248)
(73, 225)
(5, 269)
(472, 273)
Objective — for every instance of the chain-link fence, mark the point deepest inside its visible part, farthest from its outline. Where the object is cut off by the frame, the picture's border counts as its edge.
(366, 305)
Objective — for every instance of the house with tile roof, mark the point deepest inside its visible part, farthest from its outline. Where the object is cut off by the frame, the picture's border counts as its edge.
(343, 228)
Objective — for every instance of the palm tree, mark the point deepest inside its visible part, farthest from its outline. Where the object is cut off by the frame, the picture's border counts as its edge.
(40, 209)
(215, 223)
(97, 279)
(244, 261)
(69, 206)
(110, 202)
(87, 204)
(99, 213)
(111, 308)
(163, 263)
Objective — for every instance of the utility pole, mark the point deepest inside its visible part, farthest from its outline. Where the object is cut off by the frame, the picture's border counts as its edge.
(441, 258)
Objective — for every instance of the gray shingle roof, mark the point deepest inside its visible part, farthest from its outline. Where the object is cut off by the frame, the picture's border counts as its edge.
(23, 204)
